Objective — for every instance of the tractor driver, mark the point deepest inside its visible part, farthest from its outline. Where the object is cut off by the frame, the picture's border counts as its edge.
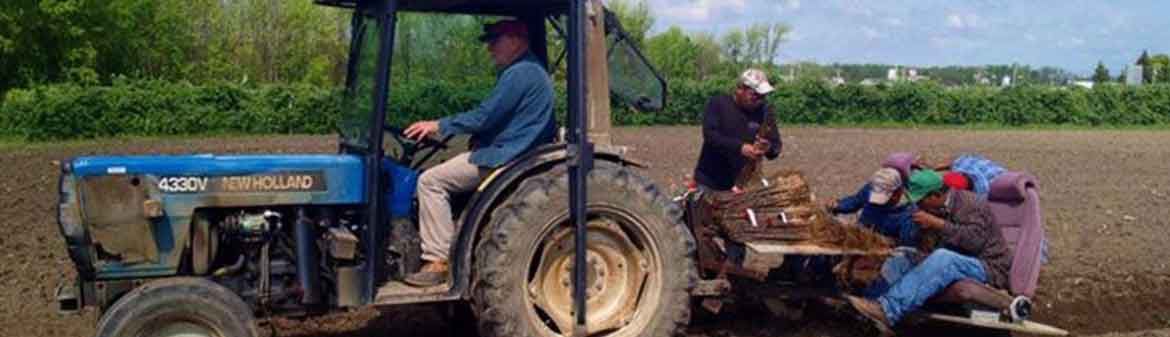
(516, 117)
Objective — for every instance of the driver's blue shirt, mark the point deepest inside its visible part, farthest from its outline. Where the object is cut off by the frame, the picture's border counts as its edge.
(516, 117)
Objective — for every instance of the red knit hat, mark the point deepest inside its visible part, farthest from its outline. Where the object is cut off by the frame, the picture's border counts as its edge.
(957, 181)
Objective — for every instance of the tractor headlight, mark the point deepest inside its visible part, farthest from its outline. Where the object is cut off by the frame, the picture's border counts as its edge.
(70, 222)
(69, 209)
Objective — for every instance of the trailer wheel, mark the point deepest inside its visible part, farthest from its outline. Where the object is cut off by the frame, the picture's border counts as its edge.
(640, 267)
(178, 307)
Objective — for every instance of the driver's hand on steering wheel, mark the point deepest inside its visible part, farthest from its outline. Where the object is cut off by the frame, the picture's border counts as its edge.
(421, 130)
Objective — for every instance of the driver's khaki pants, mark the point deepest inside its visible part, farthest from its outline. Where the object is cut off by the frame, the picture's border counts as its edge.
(437, 226)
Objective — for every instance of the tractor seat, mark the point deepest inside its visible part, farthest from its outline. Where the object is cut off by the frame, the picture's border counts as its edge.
(1015, 201)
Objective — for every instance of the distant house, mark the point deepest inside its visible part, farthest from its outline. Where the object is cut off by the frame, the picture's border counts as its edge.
(982, 79)
(912, 76)
(1084, 84)
(1133, 75)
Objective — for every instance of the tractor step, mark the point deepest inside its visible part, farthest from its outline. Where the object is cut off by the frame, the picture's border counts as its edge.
(395, 292)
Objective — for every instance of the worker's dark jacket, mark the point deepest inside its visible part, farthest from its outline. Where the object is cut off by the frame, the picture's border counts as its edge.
(726, 128)
(971, 230)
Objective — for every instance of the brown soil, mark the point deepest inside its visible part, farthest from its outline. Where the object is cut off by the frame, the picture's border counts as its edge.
(1105, 196)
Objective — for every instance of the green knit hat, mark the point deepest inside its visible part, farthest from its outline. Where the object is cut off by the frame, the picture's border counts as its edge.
(922, 182)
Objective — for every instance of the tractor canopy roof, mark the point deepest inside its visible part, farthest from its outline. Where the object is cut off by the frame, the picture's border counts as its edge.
(477, 7)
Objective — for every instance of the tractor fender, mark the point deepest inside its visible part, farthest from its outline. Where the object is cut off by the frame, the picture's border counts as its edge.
(498, 185)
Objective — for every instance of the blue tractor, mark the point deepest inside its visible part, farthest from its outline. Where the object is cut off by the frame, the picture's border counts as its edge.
(203, 245)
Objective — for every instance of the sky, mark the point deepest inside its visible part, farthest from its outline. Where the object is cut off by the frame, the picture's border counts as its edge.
(1070, 34)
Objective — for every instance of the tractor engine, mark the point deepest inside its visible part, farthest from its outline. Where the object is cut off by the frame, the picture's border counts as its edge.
(289, 260)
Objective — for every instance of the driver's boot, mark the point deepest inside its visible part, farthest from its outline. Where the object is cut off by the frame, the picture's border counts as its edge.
(432, 274)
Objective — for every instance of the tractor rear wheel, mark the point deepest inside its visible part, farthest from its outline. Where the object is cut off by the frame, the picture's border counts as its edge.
(639, 273)
(186, 307)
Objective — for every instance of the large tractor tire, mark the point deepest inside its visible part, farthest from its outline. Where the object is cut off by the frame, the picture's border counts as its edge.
(187, 307)
(640, 260)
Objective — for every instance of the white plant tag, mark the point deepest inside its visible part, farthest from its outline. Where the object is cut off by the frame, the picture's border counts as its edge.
(752, 217)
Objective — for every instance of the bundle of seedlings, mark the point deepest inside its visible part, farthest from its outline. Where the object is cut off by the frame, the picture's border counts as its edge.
(782, 207)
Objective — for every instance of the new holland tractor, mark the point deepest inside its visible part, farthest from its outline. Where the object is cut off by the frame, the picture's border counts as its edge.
(204, 244)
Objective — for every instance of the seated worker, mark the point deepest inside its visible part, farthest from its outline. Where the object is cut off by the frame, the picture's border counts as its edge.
(516, 117)
(730, 127)
(977, 170)
(882, 209)
(961, 181)
(972, 247)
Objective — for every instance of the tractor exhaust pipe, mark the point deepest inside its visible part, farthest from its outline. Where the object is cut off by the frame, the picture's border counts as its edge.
(307, 259)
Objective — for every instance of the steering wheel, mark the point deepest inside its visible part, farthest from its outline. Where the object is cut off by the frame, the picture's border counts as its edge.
(411, 147)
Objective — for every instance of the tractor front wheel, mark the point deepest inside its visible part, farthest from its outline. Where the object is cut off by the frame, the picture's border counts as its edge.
(178, 307)
(639, 260)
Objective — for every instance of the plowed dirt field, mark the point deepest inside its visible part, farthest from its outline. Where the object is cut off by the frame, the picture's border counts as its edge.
(1104, 193)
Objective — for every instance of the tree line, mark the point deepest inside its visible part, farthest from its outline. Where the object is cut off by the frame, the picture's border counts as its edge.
(279, 41)
(155, 107)
(163, 66)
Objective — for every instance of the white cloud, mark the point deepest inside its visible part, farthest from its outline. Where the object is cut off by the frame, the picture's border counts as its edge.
(962, 21)
(1072, 42)
(895, 22)
(971, 20)
(872, 34)
(692, 14)
(953, 43)
(792, 4)
(794, 35)
(954, 21)
(696, 11)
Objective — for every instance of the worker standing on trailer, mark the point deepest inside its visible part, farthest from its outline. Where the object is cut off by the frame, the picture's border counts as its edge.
(731, 125)
(516, 117)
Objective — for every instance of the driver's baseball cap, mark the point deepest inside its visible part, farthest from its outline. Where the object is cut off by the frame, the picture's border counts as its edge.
(883, 184)
(491, 31)
(757, 80)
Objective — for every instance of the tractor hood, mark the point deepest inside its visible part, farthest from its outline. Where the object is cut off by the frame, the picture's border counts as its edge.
(319, 176)
(139, 208)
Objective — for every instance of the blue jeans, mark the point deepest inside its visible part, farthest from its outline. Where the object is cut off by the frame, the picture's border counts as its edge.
(893, 268)
(941, 268)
